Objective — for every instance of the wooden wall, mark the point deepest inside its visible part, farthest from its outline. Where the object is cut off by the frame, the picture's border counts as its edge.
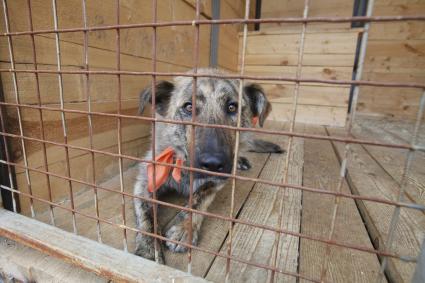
(295, 8)
(329, 53)
(174, 53)
(396, 52)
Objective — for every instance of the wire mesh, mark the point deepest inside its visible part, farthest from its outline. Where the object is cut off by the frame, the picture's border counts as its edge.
(197, 22)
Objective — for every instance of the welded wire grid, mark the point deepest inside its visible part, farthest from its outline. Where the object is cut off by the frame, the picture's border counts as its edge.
(399, 203)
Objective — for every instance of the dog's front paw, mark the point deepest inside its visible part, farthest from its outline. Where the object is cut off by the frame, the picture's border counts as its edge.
(243, 163)
(178, 232)
(145, 247)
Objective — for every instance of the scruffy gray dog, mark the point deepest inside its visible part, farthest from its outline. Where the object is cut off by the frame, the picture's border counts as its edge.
(216, 103)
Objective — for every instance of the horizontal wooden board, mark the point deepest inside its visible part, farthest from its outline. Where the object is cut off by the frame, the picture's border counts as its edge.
(174, 44)
(310, 114)
(396, 53)
(81, 169)
(313, 72)
(278, 59)
(315, 43)
(26, 264)
(102, 87)
(308, 95)
(93, 256)
(289, 8)
(391, 102)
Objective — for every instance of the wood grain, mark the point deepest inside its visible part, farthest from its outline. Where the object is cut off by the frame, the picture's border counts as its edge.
(321, 170)
(367, 178)
(257, 245)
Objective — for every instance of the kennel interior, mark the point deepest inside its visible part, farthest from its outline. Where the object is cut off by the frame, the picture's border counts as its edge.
(350, 202)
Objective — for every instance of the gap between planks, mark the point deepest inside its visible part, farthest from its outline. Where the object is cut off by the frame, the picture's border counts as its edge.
(367, 178)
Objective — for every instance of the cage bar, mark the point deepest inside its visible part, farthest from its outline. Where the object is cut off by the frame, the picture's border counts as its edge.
(385, 252)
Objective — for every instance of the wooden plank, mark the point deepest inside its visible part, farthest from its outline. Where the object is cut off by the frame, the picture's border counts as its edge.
(28, 265)
(106, 166)
(321, 170)
(320, 72)
(288, 8)
(102, 87)
(392, 160)
(315, 43)
(279, 59)
(367, 178)
(312, 114)
(175, 44)
(392, 102)
(308, 95)
(257, 245)
(85, 253)
(395, 53)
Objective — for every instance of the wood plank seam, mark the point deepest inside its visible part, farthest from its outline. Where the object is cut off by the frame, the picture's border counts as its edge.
(237, 215)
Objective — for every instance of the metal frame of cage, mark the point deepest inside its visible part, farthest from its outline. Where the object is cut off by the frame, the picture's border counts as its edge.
(399, 203)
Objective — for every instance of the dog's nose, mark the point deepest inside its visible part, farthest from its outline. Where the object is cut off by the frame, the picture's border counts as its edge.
(212, 162)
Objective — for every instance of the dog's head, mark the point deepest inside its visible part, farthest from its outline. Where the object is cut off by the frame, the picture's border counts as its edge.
(216, 103)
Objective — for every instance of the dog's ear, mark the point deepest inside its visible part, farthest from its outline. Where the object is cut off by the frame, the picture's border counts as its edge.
(258, 102)
(163, 90)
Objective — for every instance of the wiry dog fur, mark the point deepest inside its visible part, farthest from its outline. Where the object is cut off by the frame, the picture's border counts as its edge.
(213, 99)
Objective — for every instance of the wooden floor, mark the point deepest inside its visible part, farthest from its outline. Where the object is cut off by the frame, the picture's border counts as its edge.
(372, 171)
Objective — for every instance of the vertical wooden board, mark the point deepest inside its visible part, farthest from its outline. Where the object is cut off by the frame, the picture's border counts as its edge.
(367, 178)
(321, 170)
(257, 245)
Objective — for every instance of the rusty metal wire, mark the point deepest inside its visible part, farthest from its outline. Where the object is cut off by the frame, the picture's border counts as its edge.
(291, 133)
(230, 76)
(227, 21)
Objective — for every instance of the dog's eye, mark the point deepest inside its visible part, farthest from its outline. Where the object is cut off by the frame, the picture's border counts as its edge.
(232, 107)
(187, 107)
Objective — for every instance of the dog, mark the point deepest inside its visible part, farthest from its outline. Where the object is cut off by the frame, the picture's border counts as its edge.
(216, 103)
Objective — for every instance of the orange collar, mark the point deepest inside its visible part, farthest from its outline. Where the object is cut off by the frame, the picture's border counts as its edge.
(254, 121)
(162, 171)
